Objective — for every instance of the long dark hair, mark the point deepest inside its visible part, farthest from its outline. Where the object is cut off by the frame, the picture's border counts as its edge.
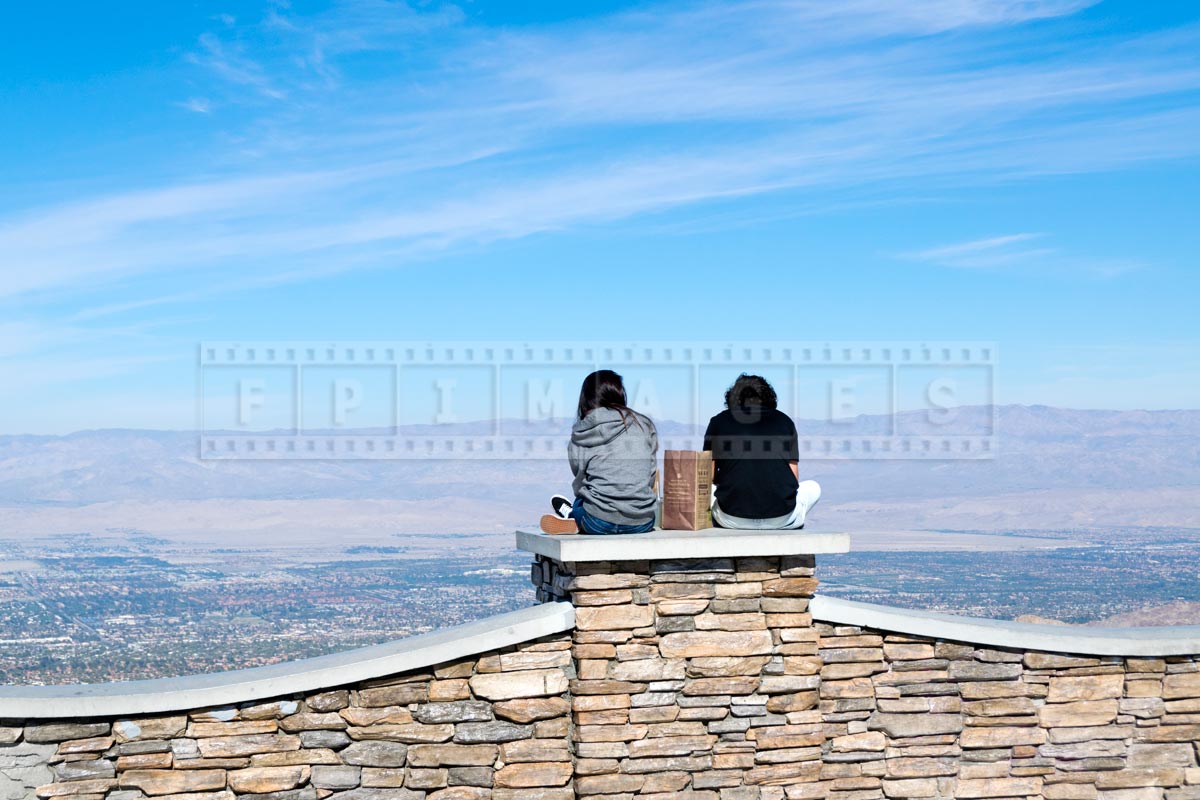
(749, 391)
(605, 389)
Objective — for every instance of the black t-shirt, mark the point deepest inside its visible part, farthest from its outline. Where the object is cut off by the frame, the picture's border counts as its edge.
(751, 449)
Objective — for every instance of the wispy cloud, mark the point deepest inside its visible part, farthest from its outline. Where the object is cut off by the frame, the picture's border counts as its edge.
(1021, 252)
(199, 105)
(287, 57)
(37, 355)
(18, 337)
(20, 378)
(230, 62)
(464, 134)
(996, 251)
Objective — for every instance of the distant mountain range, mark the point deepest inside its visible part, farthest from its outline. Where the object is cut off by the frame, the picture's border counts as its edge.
(1054, 468)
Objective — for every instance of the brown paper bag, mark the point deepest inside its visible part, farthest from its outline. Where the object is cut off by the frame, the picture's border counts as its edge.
(687, 486)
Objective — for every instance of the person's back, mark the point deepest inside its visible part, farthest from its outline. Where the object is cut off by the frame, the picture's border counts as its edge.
(756, 461)
(752, 449)
(612, 453)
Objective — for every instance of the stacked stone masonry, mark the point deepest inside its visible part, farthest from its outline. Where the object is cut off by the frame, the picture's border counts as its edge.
(709, 680)
(489, 728)
(701, 679)
(696, 679)
(921, 718)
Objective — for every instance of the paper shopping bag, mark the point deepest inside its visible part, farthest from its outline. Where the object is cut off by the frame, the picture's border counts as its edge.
(687, 483)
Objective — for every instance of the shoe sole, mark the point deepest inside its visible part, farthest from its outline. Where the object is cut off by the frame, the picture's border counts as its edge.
(558, 525)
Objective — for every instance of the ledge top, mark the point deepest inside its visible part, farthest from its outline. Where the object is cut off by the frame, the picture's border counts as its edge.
(1076, 640)
(159, 695)
(660, 545)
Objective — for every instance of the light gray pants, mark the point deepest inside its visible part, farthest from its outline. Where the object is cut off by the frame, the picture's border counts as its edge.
(807, 495)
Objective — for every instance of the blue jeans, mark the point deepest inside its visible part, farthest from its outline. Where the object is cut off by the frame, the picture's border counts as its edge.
(589, 524)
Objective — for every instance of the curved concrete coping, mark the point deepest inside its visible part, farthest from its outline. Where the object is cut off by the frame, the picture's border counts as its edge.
(660, 545)
(276, 680)
(1077, 640)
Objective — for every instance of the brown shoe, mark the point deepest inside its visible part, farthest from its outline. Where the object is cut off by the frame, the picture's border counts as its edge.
(553, 524)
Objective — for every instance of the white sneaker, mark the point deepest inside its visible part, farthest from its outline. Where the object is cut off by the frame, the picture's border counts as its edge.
(807, 495)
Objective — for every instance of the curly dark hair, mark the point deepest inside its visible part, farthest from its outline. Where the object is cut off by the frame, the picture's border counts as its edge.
(750, 390)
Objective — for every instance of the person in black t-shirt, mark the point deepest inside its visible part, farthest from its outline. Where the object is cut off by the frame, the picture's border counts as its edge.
(756, 461)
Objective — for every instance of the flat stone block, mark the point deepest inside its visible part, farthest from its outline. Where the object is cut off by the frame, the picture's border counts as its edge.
(683, 546)
(1052, 640)
(715, 644)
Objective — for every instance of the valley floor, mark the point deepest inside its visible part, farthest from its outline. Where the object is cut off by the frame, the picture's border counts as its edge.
(123, 605)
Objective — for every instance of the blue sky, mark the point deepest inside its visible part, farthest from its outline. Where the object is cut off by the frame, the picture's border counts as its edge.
(1017, 171)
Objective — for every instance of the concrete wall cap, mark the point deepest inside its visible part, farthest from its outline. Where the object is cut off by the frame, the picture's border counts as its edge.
(1075, 640)
(660, 545)
(288, 678)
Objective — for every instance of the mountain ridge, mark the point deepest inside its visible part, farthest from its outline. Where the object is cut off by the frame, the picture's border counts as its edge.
(1053, 468)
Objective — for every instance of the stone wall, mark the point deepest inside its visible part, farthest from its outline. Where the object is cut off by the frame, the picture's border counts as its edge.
(923, 718)
(493, 727)
(709, 680)
(699, 679)
(696, 679)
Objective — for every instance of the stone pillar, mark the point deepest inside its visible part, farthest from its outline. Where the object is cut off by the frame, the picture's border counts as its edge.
(696, 677)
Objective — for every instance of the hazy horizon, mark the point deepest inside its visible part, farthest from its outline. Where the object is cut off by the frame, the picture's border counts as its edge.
(558, 421)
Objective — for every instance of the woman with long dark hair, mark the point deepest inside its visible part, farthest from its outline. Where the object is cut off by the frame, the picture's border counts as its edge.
(612, 453)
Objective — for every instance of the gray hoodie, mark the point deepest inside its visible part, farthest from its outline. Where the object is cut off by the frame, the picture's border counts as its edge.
(614, 465)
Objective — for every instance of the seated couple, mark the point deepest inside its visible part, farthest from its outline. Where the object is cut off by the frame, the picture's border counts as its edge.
(614, 455)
